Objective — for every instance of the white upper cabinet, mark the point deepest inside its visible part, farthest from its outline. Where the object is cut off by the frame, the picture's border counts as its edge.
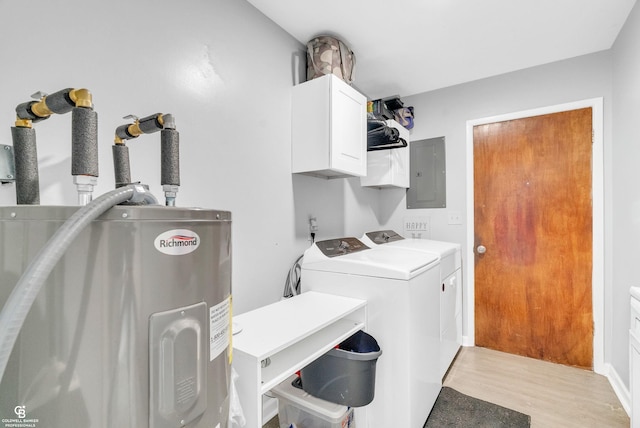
(389, 167)
(329, 129)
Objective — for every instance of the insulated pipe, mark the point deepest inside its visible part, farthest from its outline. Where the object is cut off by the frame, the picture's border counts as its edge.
(146, 125)
(170, 164)
(151, 124)
(26, 164)
(17, 306)
(84, 142)
(84, 136)
(60, 102)
(169, 151)
(121, 164)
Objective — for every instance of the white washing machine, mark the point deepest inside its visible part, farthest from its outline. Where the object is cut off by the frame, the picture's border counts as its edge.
(402, 294)
(449, 255)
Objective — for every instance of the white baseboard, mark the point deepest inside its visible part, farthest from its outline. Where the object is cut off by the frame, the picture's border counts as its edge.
(619, 387)
(467, 341)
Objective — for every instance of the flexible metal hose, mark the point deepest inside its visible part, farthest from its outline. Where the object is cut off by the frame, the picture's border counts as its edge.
(21, 299)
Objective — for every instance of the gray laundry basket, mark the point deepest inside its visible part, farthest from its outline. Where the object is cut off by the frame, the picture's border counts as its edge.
(345, 375)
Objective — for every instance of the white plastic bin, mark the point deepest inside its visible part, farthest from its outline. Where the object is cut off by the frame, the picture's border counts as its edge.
(295, 406)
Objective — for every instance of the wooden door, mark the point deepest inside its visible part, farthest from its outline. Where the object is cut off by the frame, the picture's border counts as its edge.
(533, 214)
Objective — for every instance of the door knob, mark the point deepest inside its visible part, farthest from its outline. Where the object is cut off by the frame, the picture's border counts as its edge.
(481, 249)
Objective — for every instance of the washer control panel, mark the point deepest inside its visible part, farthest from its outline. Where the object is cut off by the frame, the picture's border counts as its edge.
(341, 246)
(384, 236)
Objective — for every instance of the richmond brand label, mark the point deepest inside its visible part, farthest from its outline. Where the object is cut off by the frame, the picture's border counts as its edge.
(177, 242)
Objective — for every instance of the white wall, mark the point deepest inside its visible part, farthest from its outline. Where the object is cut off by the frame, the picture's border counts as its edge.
(225, 72)
(613, 75)
(626, 184)
(445, 113)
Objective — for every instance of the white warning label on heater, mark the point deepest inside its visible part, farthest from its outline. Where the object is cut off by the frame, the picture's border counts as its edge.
(219, 319)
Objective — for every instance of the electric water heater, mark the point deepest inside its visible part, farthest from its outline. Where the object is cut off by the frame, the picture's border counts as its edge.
(132, 327)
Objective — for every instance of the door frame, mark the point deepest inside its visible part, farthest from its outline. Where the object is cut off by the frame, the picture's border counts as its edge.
(597, 179)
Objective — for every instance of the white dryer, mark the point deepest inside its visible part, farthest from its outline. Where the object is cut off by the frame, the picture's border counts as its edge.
(449, 255)
(401, 289)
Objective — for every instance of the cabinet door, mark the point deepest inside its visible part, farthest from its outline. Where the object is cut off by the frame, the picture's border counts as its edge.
(390, 167)
(400, 160)
(450, 320)
(400, 164)
(348, 129)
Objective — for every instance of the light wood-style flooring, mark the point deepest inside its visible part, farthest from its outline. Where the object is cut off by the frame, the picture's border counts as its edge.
(555, 396)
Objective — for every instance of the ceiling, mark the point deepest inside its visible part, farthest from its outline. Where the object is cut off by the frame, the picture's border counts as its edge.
(405, 47)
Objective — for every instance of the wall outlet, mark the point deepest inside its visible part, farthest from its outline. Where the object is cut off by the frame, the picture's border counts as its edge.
(313, 228)
(455, 217)
(313, 224)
